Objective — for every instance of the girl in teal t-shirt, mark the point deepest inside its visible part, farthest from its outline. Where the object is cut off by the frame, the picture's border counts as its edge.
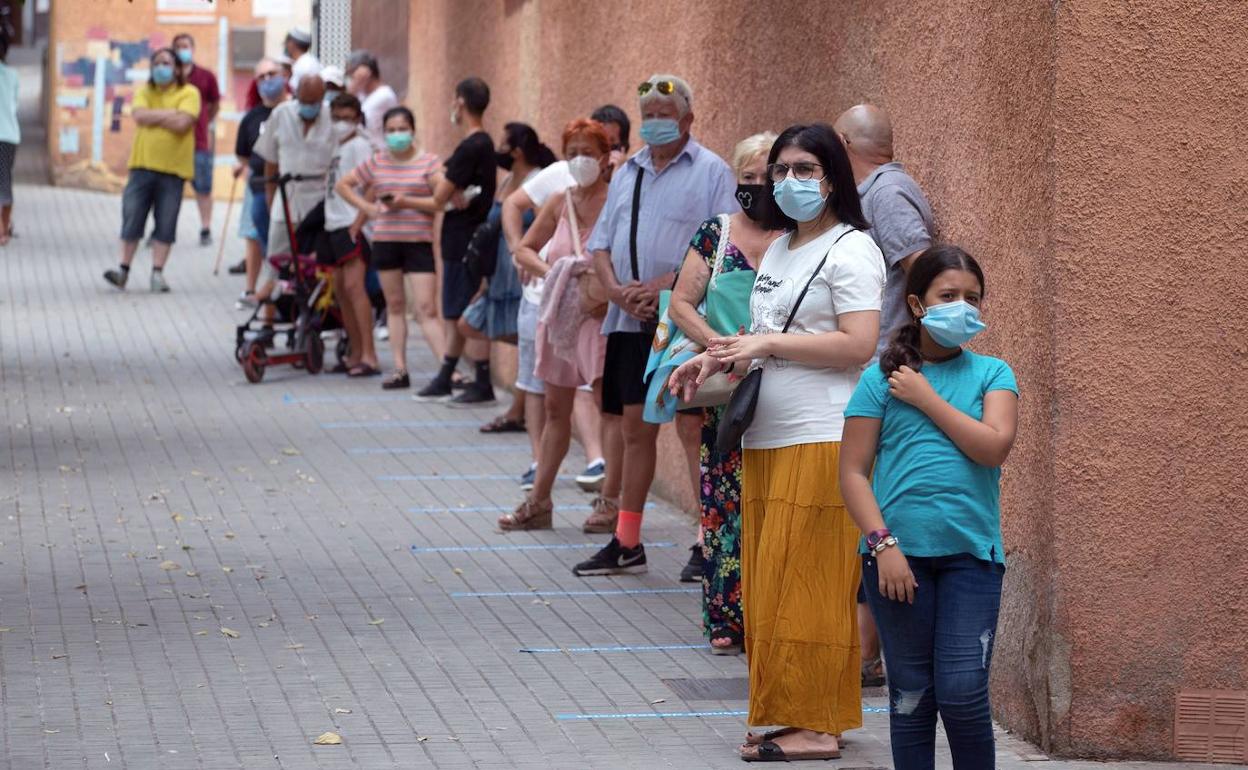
(935, 422)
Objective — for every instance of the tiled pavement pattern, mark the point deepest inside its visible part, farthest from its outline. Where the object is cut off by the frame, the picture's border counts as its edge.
(152, 499)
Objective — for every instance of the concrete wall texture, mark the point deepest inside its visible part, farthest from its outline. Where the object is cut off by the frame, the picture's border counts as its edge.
(1090, 155)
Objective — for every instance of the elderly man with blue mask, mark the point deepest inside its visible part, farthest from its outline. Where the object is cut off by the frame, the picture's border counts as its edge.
(655, 204)
(297, 139)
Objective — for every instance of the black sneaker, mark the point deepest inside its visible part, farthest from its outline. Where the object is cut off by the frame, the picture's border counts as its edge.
(437, 390)
(117, 278)
(238, 268)
(473, 395)
(614, 559)
(692, 573)
(205, 237)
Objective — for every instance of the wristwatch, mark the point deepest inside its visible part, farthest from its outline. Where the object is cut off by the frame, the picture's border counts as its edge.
(875, 538)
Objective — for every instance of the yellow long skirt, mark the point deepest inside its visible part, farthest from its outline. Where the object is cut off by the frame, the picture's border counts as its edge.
(799, 575)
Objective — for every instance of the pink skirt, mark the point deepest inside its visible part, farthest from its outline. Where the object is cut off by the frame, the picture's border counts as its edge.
(578, 362)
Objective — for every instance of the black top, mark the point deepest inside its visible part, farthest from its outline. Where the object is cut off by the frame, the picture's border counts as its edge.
(248, 132)
(472, 163)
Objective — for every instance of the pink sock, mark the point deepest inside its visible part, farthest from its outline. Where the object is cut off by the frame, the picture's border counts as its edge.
(628, 529)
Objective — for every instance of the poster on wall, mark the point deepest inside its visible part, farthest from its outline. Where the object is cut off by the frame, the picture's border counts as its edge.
(263, 9)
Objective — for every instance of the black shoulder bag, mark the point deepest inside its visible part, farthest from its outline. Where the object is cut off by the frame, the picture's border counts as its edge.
(739, 412)
(648, 328)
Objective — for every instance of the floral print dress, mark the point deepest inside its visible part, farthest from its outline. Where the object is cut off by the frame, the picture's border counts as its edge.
(721, 486)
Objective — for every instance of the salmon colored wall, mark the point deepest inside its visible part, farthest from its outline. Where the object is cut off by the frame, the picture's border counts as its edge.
(1091, 158)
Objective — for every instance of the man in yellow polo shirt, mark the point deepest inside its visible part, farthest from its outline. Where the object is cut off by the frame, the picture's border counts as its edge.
(161, 161)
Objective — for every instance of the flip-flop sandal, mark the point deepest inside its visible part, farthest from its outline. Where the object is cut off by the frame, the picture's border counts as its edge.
(736, 641)
(753, 739)
(503, 424)
(770, 751)
(363, 370)
(340, 368)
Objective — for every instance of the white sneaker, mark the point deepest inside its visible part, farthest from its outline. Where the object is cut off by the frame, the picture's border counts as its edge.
(381, 333)
(246, 301)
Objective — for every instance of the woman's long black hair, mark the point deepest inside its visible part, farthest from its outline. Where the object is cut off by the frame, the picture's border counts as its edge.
(820, 140)
(903, 349)
(523, 137)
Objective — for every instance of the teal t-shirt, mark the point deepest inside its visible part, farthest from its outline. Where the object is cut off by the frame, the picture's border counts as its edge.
(935, 499)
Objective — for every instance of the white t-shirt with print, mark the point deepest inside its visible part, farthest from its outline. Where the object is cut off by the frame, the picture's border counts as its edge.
(348, 155)
(798, 403)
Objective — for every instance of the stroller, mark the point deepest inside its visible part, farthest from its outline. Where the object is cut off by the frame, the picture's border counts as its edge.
(304, 306)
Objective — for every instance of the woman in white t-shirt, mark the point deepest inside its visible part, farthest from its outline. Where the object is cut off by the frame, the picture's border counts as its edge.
(799, 549)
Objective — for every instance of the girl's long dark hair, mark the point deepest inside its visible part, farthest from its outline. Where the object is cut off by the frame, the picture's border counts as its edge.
(903, 349)
(522, 137)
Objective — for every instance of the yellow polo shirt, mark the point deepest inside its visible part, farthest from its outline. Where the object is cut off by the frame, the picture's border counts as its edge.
(157, 148)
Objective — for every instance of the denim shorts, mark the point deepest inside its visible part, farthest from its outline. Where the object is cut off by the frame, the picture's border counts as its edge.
(260, 219)
(526, 368)
(247, 225)
(202, 183)
(154, 191)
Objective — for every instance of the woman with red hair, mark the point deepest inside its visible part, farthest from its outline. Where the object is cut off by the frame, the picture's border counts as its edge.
(570, 345)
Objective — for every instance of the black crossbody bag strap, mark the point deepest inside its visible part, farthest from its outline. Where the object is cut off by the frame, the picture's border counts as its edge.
(806, 288)
(632, 228)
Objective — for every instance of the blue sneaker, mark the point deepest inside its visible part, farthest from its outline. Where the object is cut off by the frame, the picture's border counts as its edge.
(528, 478)
(592, 477)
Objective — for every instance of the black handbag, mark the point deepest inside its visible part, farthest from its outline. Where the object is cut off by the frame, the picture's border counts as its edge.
(481, 256)
(739, 412)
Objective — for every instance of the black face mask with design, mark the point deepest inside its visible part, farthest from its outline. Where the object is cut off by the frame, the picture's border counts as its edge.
(504, 160)
(750, 196)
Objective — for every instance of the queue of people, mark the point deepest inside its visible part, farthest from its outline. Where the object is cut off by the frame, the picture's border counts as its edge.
(789, 310)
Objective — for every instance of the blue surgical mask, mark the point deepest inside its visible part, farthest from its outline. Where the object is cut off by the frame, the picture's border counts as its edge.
(309, 111)
(184, 55)
(399, 141)
(271, 88)
(659, 131)
(799, 199)
(953, 324)
(162, 74)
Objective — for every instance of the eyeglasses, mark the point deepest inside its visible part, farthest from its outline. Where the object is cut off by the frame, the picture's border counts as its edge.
(665, 87)
(802, 172)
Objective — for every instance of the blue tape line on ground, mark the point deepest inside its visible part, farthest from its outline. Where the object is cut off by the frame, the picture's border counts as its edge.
(608, 592)
(499, 508)
(679, 714)
(420, 450)
(634, 648)
(376, 424)
(459, 477)
(519, 547)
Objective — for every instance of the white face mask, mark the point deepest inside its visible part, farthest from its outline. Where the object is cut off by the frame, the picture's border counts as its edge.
(454, 114)
(342, 129)
(585, 170)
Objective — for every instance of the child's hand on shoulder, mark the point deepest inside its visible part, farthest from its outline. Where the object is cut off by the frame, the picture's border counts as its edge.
(912, 387)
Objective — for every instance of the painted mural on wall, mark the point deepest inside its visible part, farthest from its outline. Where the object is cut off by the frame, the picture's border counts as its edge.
(96, 80)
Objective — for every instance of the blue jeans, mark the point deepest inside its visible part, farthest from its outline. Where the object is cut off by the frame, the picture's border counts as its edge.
(938, 651)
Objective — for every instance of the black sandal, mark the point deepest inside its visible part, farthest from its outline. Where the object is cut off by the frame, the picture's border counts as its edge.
(363, 370)
(735, 637)
(503, 424)
(397, 381)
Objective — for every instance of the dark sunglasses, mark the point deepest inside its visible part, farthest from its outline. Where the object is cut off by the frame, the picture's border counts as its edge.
(665, 87)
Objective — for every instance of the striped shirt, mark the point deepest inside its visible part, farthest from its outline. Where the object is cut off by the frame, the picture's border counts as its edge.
(413, 178)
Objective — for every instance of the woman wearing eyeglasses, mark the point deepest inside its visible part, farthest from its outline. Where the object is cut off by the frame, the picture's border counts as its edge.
(824, 281)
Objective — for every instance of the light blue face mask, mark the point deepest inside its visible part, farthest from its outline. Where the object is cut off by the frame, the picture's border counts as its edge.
(659, 131)
(184, 55)
(162, 74)
(309, 111)
(800, 200)
(953, 324)
(399, 141)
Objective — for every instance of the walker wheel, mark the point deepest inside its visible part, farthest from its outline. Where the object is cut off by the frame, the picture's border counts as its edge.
(254, 360)
(315, 353)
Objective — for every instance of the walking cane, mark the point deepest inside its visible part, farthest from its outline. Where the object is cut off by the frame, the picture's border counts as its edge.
(225, 229)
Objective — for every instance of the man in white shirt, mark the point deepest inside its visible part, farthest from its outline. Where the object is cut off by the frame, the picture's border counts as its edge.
(299, 49)
(364, 83)
(298, 139)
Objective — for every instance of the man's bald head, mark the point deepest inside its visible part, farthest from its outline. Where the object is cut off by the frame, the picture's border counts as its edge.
(311, 89)
(867, 133)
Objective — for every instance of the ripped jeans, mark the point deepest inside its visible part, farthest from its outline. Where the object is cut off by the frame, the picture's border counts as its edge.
(937, 652)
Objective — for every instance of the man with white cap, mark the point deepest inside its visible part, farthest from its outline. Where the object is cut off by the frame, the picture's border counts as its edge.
(299, 49)
(334, 81)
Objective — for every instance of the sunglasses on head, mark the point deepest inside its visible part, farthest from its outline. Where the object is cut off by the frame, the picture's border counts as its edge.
(665, 87)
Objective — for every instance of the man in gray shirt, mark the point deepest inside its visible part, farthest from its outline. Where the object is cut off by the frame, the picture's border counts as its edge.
(900, 217)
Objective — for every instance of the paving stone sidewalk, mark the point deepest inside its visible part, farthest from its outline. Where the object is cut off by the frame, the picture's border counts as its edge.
(197, 572)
